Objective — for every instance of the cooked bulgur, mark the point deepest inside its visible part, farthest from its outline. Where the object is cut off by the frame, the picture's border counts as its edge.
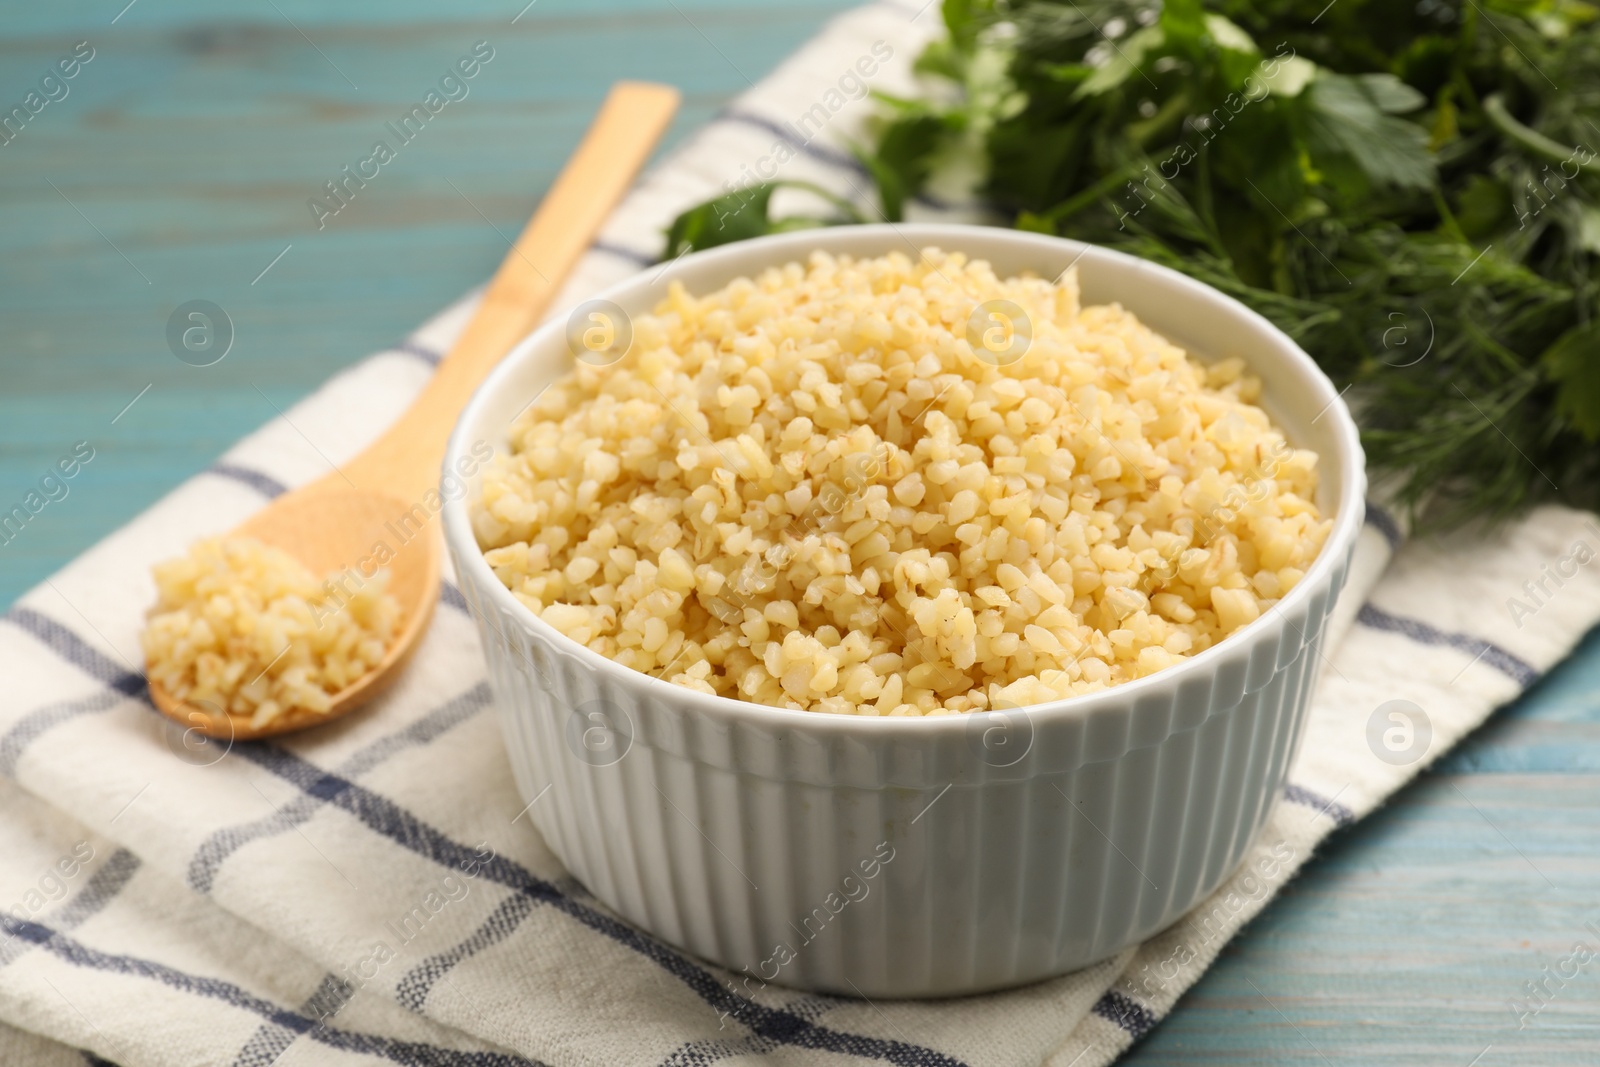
(822, 489)
(247, 628)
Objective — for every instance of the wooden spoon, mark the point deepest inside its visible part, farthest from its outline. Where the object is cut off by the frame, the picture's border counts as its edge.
(335, 522)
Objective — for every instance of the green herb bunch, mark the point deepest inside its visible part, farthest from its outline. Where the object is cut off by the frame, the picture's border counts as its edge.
(1407, 189)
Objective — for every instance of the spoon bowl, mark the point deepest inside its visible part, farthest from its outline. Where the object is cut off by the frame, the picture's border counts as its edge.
(356, 533)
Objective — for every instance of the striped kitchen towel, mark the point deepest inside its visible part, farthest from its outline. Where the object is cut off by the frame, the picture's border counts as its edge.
(372, 892)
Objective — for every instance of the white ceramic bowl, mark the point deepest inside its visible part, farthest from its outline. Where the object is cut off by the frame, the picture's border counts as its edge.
(915, 857)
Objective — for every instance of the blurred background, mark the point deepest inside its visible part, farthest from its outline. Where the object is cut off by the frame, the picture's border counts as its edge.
(178, 167)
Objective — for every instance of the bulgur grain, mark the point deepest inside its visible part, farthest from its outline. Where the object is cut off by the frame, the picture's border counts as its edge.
(247, 628)
(808, 490)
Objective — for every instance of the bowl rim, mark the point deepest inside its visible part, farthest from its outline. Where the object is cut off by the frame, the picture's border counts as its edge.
(777, 249)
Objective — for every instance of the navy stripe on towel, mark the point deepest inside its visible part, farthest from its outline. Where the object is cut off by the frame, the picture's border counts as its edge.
(413, 990)
(101, 889)
(36, 724)
(1385, 524)
(704, 1053)
(387, 818)
(449, 594)
(1519, 670)
(1126, 1012)
(833, 157)
(269, 1040)
(408, 1053)
(1299, 794)
(75, 650)
(793, 139)
(266, 485)
(412, 348)
(72, 648)
(216, 849)
(610, 248)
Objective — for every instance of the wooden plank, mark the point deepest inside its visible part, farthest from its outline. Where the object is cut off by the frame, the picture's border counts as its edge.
(193, 140)
(1407, 938)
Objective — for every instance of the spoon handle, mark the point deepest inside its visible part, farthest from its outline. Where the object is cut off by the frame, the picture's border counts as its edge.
(404, 461)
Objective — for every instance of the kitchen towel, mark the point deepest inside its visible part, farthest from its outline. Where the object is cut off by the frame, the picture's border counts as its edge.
(373, 892)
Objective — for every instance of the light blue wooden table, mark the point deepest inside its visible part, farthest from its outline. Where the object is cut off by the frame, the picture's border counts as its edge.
(178, 168)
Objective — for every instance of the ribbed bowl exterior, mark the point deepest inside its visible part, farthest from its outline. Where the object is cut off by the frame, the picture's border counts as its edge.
(901, 867)
(922, 857)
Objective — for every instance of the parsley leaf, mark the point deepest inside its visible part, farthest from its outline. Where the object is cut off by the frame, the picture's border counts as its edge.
(1574, 363)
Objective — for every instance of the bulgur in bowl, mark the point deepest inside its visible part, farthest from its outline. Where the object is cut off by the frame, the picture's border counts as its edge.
(1006, 537)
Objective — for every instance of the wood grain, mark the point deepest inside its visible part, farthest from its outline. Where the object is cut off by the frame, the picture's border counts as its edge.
(1406, 939)
(193, 141)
